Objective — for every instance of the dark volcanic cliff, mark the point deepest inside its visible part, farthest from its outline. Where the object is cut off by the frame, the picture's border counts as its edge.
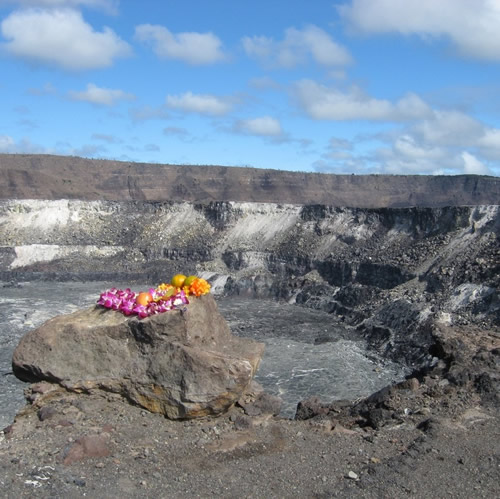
(60, 177)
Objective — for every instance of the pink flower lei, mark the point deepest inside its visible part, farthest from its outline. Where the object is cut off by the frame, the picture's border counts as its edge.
(124, 300)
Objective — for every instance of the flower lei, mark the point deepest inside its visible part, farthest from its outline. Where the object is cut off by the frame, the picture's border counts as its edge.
(157, 300)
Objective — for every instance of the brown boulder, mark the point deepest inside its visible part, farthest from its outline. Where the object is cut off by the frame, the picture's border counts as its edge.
(182, 363)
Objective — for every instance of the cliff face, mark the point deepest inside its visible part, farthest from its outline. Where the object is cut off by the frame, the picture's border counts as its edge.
(382, 247)
(58, 177)
(348, 261)
(390, 272)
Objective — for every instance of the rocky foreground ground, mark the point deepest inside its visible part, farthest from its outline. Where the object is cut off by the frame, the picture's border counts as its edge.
(436, 434)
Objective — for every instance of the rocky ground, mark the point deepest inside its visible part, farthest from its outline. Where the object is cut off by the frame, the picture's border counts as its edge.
(419, 284)
(436, 434)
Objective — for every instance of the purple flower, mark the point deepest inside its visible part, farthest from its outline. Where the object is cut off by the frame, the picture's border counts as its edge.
(125, 302)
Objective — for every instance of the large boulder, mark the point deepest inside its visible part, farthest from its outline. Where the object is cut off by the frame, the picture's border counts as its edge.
(183, 363)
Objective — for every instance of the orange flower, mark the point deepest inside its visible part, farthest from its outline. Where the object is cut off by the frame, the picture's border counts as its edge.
(199, 287)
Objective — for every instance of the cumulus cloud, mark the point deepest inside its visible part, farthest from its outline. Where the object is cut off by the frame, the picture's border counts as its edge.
(472, 165)
(265, 126)
(456, 130)
(297, 47)
(472, 25)
(448, 128)
(25, 145)
(193, 48)
(408, 155)
(6, 143)
(446, 142)
(490, 139)
(100, 96)
(489, 144)
(62, 38)
(328, 103)
(200, 103)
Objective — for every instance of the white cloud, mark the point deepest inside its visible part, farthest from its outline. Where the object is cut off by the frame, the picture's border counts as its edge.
(328, 103)
(264, 126)
(448, 128)
(489, 145)
(6, 143)
(62, 38)
(193, 48)
(200, 103)
(9, 145)
(100, 96)
(408, 156)
(456, 130)
(472, 25)
(296, 47)
(490, 139)
(473, 166)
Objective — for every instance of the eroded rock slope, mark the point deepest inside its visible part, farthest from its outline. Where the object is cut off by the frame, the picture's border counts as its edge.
(389, 272)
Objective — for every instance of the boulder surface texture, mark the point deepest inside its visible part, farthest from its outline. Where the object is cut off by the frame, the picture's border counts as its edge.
(182, 363)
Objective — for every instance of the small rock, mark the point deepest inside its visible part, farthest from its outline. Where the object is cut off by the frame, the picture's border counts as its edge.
(46, 412)
(352, 476)
(424, 411)
(87, 447)
(265, 403)
(242, 422)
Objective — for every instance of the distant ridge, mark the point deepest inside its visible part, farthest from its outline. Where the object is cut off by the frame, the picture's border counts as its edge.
(36, 176)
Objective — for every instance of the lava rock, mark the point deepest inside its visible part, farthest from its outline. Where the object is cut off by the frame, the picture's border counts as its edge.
(87, 447)
(182, 363)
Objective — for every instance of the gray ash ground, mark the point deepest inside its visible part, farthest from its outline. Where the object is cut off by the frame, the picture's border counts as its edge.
(435, 436)
(306, 354)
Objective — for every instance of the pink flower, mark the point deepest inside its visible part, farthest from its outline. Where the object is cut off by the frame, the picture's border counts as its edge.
(124, 301)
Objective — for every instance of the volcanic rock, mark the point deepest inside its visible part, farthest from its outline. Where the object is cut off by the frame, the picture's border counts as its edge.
(182, 363)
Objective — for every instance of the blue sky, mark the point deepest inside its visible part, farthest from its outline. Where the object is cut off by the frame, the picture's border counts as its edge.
(352, 86)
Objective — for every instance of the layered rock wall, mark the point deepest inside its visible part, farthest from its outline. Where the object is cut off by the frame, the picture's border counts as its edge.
(373, 247)
(36, 176)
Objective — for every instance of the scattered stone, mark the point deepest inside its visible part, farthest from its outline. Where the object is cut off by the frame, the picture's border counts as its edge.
(87, 447)
(46, 412)
(310, 408)
(265, 403)
(411, 384)
(352, 476)
(242, 422)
